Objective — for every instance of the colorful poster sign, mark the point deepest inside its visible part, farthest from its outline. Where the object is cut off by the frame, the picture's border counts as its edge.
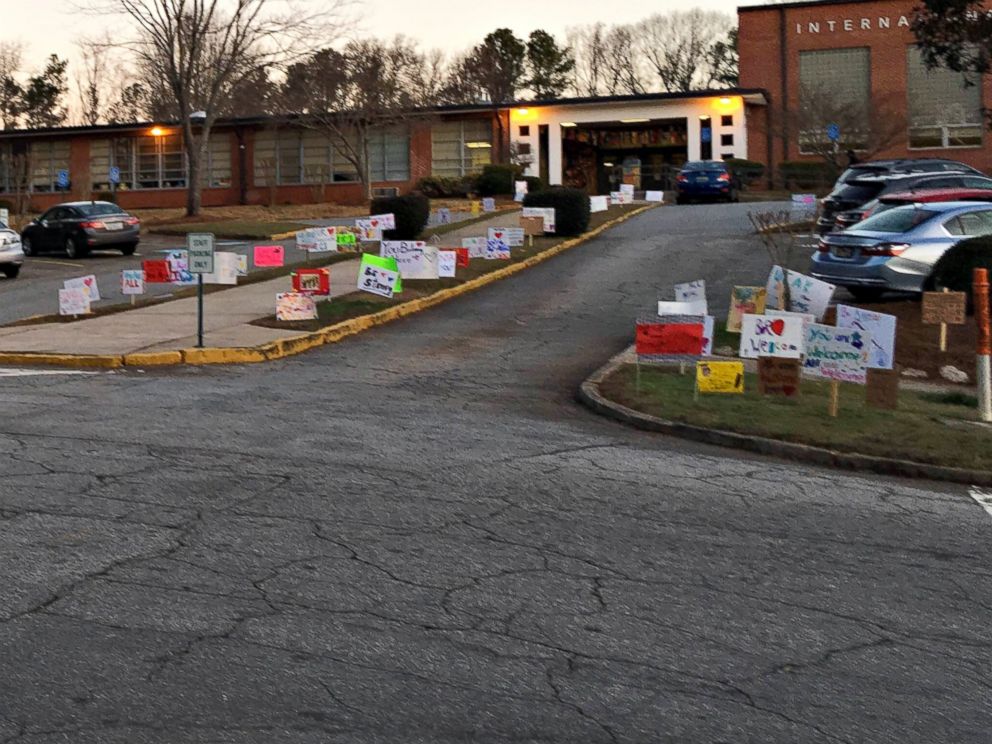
(545, 213)
(179, 268)
(156, 271)
(744, 301)
(444, 216)
(837, 353)
(315, 282)
(762, 336)
(720, 377)
(497, 245)
(806, 318)
(488, 204)
(86, 284)
(369, 231)
(944, 307)
(384, 221)
(806, 294)
(463, 257)
(317, 240)
(378, 275)
(532, 226)
(416, 259)
(447, 262)
(779, 377)
(476, 247)
(225, 269)
(692, 292)
(880, 327)
(627, 192)
(346, 239)
(476, 207)
(132, 282)
(242, 264)
(599, 204)
(269, 255)
(73, 302)
(656, 341)
(695, 307)
(294, 306)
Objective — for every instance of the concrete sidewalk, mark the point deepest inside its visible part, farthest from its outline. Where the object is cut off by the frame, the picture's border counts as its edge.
(171, 326)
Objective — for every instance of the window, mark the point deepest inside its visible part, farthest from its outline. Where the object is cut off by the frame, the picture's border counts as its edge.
(943, 111)
(389, 155)
(727, 120)
(292, 157)
(976, 223)
(897, 220)
(525, 130)
(834, 88)
(523, 148)
(460, 148)
(47, 159)
(977, 182)
(727, 140)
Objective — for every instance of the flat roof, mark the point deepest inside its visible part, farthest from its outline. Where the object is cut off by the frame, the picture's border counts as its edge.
(808, 4)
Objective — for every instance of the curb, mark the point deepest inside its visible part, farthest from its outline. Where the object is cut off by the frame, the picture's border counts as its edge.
(590, 395)
(288, 347)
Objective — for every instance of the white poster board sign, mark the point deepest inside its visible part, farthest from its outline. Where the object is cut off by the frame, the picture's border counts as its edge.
(806, 294)
(762, 336)
(179, 268)
(73, 302)
(132, 282)
(225, 269)
(692, 292)
(695, 307)
(654, 196)
(599, 204)
(881, 328)
(837, 353)
(86, 284)
(295, 306)
(384, 221)
(498, 244)
(513, 236)
(545, 213)
(242, 264)
(616, 198)
(370, 230)
(488, 204)
(519, 190)
(447, 261)
(476, 247)
(318, 240)
(804, 205)
(806, 318)
(415, 258)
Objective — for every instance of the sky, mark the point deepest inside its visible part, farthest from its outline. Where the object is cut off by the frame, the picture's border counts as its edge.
(51, 26)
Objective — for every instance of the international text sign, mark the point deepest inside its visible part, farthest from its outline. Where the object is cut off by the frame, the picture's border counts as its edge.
(880, 327)
(762, 336)
(837, 353)
(416, 259)
(200, 253)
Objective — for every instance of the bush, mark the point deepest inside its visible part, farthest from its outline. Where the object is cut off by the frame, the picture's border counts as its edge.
(954, 269)
(443, 187)
(534, 184)
(412, 213)
(571, 208)
(805, 174)
(497, 180)
(747, 171)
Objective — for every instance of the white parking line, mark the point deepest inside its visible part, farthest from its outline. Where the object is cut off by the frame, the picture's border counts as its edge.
(10, 372)
(982, 498)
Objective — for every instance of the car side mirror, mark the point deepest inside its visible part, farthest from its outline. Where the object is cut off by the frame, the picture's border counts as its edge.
(43, 223)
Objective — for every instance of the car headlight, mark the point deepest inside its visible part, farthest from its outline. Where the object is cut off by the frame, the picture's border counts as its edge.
(8, 240)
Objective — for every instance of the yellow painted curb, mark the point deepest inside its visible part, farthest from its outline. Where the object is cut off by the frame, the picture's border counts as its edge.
(220, 355)
(86, 361)
(282, 236)
(153, 359)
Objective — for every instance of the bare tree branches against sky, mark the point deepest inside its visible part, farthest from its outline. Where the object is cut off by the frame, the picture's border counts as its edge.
(47, 26)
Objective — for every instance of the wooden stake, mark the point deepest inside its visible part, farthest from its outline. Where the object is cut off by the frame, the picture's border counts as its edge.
(834, 398)
(637, 365)
(133, 299)
(943, 330)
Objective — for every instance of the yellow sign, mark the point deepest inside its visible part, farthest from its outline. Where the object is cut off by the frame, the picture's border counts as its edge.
(476, 208)
(720, 377)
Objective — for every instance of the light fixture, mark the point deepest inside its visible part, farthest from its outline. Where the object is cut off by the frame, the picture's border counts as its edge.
(479, 145)
(704, 117)
(725, 100)
(633, 121)
(607, 165)
(569, 124)
(523, 111)
(157, 131)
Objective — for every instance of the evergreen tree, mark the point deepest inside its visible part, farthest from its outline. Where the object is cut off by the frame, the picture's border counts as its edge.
(44, 95)
(550, 66)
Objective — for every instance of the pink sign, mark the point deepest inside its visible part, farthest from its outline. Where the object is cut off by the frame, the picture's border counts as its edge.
(269, 255)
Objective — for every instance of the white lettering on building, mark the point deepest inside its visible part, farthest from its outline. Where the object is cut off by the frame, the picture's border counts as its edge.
(881, 23)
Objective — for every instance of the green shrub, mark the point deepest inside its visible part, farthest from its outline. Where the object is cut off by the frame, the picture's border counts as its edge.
(444, 187)
(954, 269)
(747, 171)
(571, 208)
(498, 180)
(107, 196)
(411, 211)
(534, 184)
(804, 174)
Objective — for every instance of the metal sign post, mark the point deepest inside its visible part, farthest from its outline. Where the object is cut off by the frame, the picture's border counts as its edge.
(200, 252)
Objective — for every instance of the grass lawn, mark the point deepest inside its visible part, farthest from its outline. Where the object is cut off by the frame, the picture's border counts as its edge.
(927, 427)
(236, 229)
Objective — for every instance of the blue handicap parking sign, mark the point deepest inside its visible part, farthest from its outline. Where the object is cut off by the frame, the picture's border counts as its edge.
(706, 135)
(115, 174)
(833, 132)
(63, 179)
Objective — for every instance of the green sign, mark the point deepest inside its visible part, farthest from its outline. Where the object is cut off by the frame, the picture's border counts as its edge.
(379, 275)
(347, 239)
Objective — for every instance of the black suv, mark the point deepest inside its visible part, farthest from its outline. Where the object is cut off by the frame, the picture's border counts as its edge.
(865, 185)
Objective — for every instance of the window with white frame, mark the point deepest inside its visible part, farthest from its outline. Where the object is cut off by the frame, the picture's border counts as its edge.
(834, 88)
(460, 148)
(944, 110)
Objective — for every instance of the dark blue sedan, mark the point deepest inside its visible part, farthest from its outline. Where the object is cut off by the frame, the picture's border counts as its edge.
(706, 179)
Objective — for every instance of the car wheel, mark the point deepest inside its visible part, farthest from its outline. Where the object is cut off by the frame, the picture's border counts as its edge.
(73, 249)
(865, 294)
(11, 272)
(27, 247)
(680, 200)
(129, 249)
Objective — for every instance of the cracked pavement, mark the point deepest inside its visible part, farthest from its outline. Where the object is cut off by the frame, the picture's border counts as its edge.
(418, 536)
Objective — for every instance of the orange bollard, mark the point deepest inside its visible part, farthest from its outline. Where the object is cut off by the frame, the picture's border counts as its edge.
(980, 293)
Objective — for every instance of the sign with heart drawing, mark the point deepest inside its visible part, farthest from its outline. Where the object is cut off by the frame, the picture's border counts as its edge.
(763, 336)
(497, 245)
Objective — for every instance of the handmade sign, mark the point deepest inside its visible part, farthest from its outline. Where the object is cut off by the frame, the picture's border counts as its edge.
(476, 247)
(744, 301)
(806, 318)
(532, 226)
(447, 261)
(444, 216)
(519, 190)
(369, 231)
(317, 240)
(87, 284)
(883, 389)
(709, 323)
(242, 264)
(654, 196)
(476, 207)
(73, 302)
(133, 282)
(616, 198)
(806, 294)
(839, 354)
(944, 307)
(295, 306)
(627, 193)
(315, 282)
(384, 221)
(692, 292)
(225, 269)
(179, 268)
(804, 205)
(668, 339)
(599, 203)
(497, 245)
(269, 255)
(416, 259)
(346, 239)
(771, 337)
(720, 377)
(378, 275)
(880, 327)
(779, 377)
(695, 307)
(545, 213)
(156, 271)
(463, 259)
(488, 204)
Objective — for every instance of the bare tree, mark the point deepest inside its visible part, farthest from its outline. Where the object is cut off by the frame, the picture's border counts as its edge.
(677, 46)
(201, 49)
(621, 62)
(588, 44)
(93, 78)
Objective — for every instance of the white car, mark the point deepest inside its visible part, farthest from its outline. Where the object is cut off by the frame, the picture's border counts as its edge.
(11, 254)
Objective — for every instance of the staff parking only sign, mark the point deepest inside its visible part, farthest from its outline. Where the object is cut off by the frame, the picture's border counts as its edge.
(200, 248)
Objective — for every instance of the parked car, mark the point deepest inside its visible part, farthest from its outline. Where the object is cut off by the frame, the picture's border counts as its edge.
(79, 227)
(879, 168)
(11, 255)
(897, 249)
(706, 179)
(891, 201)
(859, 191)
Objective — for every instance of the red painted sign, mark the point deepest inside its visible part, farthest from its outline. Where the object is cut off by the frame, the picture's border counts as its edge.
(312, 282)
(157, 272)
(670, 339)
(463, 257)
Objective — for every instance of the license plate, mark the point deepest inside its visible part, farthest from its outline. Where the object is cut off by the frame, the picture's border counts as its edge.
(702, 179)
(844, 252)
(114, 225)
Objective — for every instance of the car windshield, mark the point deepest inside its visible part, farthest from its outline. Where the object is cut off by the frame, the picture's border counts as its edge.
(98, 210)
(896, 220)
(858, 192)
(704, 166)
(859, 171)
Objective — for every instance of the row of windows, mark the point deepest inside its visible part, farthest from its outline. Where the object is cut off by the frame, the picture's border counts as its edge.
(32, 167)
(288, 157)
(157, 163)
(461, 147)
(943, 111)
